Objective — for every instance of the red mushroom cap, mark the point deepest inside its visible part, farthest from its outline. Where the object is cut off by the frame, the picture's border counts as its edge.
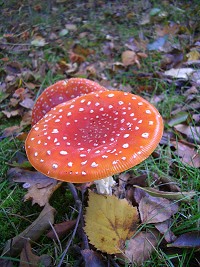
(94, 136)
(60, 92)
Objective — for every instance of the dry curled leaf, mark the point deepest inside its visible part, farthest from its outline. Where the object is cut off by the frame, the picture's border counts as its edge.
(76, 58)
(192, 132)
(92, 258)
(183, 196)
(165, 229)
(156, 209)
(188, 153)
(12, 113)
(61, 229)
(11, 131)
(15, 245)
(187, 240)
(182, 73)
(40, 187)
(193, 55)
(6, 263)
(141, 246)
(109, 222)
(29, 259)
(130, 58)
(38, 41)
(27, 103)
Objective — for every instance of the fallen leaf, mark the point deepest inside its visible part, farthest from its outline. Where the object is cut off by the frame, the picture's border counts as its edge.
(187, 240)
(27, 103)
(76, 58)
(172, 59)
(11, 131)
(108, 49)
(71, 27)
(178, 118)
(6, 263)
(61, 229)
(193, 55)
(156, 209)
(195, 105)
(26, 119)
(141, 246)
(168, 184)
(3, 96)
(195, 77)
(181, 73)
(13, 67)
(125, 88)
(183, 196)
(33, 232)
(92, 258)
(40, 187)
(30, 85)
(80, 50)
(109, 222)
(158, 44)
(154, 11)
(63, 32)
(12, 113)
(167, 29)
(145, 19)
(165, 229)
(28, 259)
(192, 132)
(188, 154)
(14, 102)
(68, 68)
(38, 41)
(130, 58)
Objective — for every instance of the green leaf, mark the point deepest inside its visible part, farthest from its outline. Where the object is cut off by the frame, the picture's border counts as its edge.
(154, 11)
(179, 118)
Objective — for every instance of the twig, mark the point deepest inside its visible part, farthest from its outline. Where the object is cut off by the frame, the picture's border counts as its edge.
(56, 235)
(114, 264)
(14, 44)
(79, 204)
(72, 188)
(83, 235)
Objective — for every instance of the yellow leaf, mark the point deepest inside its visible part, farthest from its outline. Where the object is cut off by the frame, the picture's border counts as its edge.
(193, 55)
(109, 222)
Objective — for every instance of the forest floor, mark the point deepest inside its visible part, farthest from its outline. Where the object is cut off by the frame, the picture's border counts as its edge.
(149, 48)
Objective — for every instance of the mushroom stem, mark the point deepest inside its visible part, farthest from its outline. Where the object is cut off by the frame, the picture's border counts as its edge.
(104, 186)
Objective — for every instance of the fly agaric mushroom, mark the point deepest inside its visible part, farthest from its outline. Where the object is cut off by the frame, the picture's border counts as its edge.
(60, 92)
(94, 136)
